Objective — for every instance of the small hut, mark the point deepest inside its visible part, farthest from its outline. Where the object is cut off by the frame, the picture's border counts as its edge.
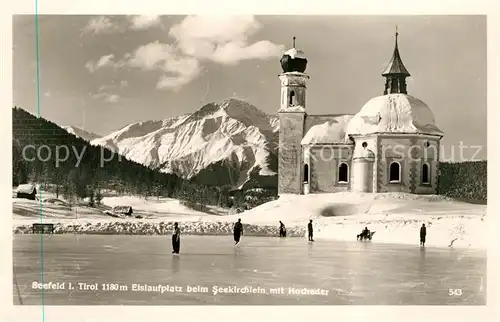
(123, 210)
(26, 191)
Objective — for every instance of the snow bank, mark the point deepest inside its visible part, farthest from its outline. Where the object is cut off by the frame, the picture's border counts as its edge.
(151, 205)
(452, 231)
(396, 218)
(129, 227)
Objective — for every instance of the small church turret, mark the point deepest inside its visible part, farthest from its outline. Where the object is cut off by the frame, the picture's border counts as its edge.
(395, 73)
(292, 116)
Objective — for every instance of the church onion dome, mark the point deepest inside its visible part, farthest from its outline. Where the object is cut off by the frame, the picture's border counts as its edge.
(363, 153)
(331, 131)
(394, 113)
(293, 60)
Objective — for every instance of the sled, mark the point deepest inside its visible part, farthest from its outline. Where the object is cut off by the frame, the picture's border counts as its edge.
(369, 237)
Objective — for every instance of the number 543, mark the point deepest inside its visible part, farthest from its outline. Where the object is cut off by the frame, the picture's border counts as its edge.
(455, 292)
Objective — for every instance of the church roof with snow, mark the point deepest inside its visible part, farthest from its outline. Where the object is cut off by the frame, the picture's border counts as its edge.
(332, 131)
(394, 113)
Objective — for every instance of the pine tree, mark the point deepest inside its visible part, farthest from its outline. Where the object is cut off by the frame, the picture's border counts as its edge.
(57, 180)
(45, 175)
(69, 188)
(91, 198)
(32, 176)
(157, 189)
(98, 197)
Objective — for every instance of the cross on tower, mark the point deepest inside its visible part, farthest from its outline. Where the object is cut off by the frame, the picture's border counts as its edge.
(294, 42)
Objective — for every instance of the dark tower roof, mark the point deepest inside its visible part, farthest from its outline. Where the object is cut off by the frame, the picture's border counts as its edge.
(395, 73)
(293, 60)
(396, 66)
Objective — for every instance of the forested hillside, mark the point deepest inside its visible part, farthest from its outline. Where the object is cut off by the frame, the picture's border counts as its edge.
(45, 153)
(464, 180)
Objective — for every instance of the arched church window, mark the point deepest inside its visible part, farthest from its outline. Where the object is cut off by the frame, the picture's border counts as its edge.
(395, 172)
(292, 98)
(306, 173)
(425, 174)
(343, 173)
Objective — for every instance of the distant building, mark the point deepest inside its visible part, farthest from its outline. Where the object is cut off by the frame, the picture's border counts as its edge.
(26, 191)
(390, 145)
(123, 210)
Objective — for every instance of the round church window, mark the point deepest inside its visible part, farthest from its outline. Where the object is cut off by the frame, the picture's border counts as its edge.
(364, 145)
(427, 144)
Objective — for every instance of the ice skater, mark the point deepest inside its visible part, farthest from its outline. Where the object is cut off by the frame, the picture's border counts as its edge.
(176, 239)
(282, 229)
(238, 231)
(423, 233)
(310, 230)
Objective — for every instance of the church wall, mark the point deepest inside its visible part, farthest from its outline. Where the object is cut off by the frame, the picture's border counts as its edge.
(290, 158)
(393, 149)
(411, 153)
(429, 156)
(325, 161)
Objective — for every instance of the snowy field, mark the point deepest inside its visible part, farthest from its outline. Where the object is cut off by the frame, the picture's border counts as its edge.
(395, 217)
(140, 270)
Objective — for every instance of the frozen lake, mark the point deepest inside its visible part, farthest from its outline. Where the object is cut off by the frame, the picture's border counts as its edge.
(272, 271)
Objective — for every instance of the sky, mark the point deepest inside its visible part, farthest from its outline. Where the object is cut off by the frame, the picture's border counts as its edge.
(100, 73)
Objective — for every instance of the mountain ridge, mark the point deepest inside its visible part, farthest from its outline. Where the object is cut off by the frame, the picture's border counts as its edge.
(81, 133)
(232, 137)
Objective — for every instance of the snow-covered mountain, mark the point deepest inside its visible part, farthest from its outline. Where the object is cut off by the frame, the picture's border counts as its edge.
(82, 134)
(232, 143)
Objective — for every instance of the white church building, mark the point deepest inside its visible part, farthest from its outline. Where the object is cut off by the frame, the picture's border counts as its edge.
(390, 145)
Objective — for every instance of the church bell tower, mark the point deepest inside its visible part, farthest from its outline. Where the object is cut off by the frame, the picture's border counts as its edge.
(395, 73)
(292, 114)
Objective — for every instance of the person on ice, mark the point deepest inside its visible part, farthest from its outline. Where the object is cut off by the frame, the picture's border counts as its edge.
(282, 229)
(238, 231)
(423, 233)
(310, 230)
(176, 239)
(364, 234)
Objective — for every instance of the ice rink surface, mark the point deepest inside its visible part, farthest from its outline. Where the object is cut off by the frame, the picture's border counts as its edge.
(141, 270)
